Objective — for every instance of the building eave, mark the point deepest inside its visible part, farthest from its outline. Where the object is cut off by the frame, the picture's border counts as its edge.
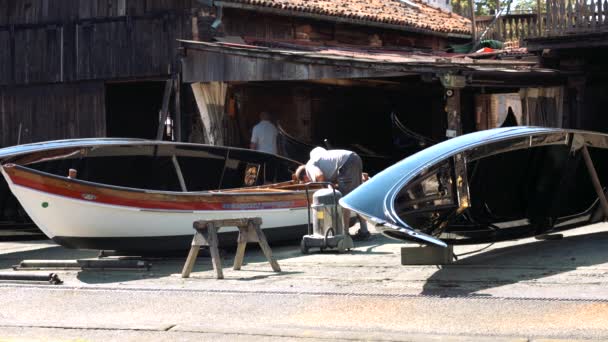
(207, 62)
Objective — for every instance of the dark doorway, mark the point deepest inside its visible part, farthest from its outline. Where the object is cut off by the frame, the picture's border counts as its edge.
(132, 109)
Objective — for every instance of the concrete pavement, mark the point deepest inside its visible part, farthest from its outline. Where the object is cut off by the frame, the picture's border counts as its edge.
(512, 291)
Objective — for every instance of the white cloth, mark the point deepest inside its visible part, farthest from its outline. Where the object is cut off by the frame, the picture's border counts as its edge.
(264, 136)
(210, 98)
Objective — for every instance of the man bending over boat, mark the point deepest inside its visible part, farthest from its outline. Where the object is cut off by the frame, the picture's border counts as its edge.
(340, 167)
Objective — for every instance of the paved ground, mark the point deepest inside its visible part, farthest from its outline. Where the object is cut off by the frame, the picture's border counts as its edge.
(514, 291)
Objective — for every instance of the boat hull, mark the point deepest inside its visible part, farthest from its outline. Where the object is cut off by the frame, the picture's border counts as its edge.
(83, 216)
(178, 244)
(489, 186)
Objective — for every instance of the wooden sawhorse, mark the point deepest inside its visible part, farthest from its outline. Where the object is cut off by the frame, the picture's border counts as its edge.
(206, 235)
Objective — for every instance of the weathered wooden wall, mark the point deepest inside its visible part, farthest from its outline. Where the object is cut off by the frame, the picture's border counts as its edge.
(48, 11)
(121, 47)
(207, 66)
(274, 27)
(56, 55)
(47, 112)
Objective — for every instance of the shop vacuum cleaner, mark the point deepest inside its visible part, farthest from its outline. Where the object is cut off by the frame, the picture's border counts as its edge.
(326, 229)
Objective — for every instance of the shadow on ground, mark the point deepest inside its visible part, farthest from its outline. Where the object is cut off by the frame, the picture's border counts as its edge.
(162, 265)
(165, 265)
(523, 262)
(44, 252)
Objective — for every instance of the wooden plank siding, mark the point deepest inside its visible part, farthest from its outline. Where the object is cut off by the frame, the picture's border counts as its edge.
(48, 112)
(120, 48)
(205, 66)
(6, 70)
(44, 11)
(37, 55)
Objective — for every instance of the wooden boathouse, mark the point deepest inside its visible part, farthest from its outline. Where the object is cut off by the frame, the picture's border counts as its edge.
(324, 69)
(72, 68)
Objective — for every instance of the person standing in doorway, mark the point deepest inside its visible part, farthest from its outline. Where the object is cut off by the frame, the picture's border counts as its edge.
(341, 167)
(264, 135)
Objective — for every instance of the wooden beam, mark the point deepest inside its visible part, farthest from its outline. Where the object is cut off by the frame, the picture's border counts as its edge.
(597, 185)
(356, 82)
(578, 117)
(539, 18)
(177, 125)
(208, 62)
(164, 111)
(180, 175)
(452, 108)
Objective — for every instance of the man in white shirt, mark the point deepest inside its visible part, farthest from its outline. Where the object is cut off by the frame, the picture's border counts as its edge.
(264, 135)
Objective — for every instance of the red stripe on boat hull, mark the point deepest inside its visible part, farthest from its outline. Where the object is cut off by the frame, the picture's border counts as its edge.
(153, 204)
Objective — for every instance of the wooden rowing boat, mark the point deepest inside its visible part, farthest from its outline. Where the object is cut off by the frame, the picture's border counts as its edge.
(143, 196)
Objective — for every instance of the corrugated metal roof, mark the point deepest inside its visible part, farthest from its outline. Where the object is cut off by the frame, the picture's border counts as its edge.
(354, 54)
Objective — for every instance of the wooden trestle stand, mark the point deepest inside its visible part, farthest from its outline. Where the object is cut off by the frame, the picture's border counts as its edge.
(206, 235)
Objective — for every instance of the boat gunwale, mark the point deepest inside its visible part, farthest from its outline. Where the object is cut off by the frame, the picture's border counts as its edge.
(209, 193)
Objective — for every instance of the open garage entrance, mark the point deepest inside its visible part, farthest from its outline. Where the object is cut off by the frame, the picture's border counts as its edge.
(132, 109)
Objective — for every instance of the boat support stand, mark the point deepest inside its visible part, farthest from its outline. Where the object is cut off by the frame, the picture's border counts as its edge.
(206, 235)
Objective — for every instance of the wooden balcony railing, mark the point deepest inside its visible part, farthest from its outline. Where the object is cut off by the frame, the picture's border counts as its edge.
(565, 17)
(511, 27)
(558, 18)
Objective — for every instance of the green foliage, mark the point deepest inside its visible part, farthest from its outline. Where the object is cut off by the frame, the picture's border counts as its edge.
(488, 7)
(526, 5)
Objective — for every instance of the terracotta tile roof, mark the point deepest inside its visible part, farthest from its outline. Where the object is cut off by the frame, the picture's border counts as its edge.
(406, 13)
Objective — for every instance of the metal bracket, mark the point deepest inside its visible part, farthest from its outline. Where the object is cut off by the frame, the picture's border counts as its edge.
(452, 81)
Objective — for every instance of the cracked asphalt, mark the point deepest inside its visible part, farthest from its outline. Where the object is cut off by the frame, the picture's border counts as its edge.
(527, 290)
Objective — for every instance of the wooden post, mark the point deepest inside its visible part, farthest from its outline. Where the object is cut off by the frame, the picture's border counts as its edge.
(264, 245)
(194, 26)
(180, 175)
(578, 84)
(164, 111)
(539, 18)
(206, 235)
(452, 108)
(213, 249)
(177, 125)
(197, 242)
(241, 246)
(597, 185)
(453, 84)
(473, 25)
